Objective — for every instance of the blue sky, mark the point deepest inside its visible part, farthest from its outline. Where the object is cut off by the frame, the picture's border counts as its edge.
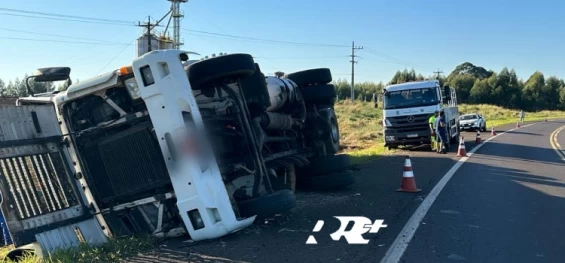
(425, 35)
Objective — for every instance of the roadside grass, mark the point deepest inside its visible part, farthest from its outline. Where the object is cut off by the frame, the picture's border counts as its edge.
(115, 250)
(361, 128)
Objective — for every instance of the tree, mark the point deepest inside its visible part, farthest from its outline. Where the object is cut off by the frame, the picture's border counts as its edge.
(480, 92)
(2, 88)
(467, 68)
(463, 85)
(531, 93)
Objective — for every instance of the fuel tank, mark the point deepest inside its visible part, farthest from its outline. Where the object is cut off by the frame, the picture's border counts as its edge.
(282, 92)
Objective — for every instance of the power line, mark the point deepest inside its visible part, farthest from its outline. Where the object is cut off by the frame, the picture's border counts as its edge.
(61, 41)
(54, 35)
(65, 19)
(390, 58)
(204, 33)
(353, 49)
(117, 55)
(83, 19)
(321, 57)
(67, 16)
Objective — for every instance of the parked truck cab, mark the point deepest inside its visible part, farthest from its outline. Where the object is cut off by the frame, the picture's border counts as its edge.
(407, 108)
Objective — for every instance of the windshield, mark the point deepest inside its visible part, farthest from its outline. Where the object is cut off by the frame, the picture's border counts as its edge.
(468, 117)
(410, 98)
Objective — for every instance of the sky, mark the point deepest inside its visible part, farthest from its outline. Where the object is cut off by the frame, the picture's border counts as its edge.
(293, 35)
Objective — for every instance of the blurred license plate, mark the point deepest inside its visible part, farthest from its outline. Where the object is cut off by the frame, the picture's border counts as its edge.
(412, 135)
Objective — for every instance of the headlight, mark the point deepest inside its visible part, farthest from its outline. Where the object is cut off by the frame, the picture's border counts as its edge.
(133, 90)
(387, 123)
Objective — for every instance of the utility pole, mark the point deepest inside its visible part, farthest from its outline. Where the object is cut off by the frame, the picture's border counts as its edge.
(353, 49)
(438, 72)
(148, 27)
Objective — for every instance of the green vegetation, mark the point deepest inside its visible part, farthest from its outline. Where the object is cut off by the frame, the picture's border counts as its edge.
(115, 250)
(476, 85)
(361, 128)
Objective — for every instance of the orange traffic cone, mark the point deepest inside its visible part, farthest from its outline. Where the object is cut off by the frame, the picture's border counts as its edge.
(517, 125)
(478, 138)
(492, 131)
(408, 182)
(461, 152)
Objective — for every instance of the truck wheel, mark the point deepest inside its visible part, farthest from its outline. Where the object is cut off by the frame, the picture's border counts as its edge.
(311, 77)
(325, 182)
(268, 205)
(326, 165)
(220, 69)
(485, 127)
(331, 140)
(319, 94)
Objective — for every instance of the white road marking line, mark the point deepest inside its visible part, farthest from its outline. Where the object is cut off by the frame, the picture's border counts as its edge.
(400, 244)
(555, 143)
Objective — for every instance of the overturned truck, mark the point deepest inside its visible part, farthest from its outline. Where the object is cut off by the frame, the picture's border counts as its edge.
(166, 146)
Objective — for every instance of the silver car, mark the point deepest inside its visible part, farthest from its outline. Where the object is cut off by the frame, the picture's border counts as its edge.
(472, 121)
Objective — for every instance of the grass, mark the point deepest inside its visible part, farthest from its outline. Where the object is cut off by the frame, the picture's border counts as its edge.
(115, 250)
(361, 128)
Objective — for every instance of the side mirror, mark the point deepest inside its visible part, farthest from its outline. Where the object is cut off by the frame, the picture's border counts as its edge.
(51, 74)
(48, 75)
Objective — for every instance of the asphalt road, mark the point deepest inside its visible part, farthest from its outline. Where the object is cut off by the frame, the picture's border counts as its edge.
(500, 205)
(503, 205)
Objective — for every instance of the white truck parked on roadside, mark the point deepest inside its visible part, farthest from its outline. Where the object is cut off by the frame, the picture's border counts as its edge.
(166, 146)
(407, 108)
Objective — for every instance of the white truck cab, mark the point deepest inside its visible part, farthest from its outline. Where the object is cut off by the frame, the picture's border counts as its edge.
(166, 146)
(407, 108)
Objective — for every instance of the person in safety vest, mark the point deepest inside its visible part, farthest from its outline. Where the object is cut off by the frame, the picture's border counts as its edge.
(433, 135)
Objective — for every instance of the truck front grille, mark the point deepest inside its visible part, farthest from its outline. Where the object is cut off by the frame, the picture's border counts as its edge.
(37, 184)
(126, 164)
(402, 124)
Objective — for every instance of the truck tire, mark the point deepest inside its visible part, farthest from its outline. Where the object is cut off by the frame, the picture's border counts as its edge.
(311, 77)
(485, 127)
(323, 94)
(255, 90)
(220, 69)
(268, 205)
(326, 165)
(326, 182)
(331, 137)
